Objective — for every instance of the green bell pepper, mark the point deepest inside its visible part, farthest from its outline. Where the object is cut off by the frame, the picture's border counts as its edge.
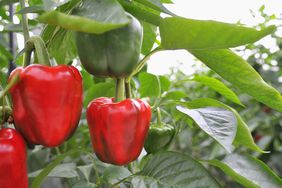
(112, 54)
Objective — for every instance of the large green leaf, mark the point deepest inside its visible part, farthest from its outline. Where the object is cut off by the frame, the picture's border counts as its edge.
(156, 5)
(65, 170)
(149, 85)
(141, 12)
(220, 87)
(248, 171)
(174, 170)
(149, 37)
(44, 173)
(243, 135)
(219, 123)
(183, 33)
(237, 71)
(93, 16)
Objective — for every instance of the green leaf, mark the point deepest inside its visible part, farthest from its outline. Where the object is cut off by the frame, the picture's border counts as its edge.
(149, 85)
(172, 169)
(219, 87)
(219, 123)
(66, 170)
(149, 37)
(243, 135)
(44, 173)
(140, 12)
(248, 171)
(114, 174)
(5, 52)
(104, 89)
(156, 5)
(175, 95)
(183, 33)
(237, 71)
(7, 2)
(165, 83)
(93, 16)
(167, 1)
(64, 41)
(83, 184)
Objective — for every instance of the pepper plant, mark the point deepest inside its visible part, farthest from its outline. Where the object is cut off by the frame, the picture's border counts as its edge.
(95, 137)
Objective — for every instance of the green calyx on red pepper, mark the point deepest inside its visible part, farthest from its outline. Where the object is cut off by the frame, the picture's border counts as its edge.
(160, 136)
(112, 54)
(47, 101)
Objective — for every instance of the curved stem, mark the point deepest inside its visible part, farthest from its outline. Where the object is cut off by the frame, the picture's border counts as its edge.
(27, 56)
(37, 44)
(120, 90)
(141, 64)
(159, 117)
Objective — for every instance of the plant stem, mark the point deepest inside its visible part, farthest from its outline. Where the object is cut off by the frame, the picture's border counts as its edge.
(127, 89)
(24, 22)
(141, 64)
(120, 90)
(159, 117)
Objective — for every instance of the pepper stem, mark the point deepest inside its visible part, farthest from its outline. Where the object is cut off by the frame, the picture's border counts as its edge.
(120, 90)
(37, 44)
(127, 89)
(159, 117)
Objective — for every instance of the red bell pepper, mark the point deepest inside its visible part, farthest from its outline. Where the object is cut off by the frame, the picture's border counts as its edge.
(118, 130)
(13, 173)
(47, 103)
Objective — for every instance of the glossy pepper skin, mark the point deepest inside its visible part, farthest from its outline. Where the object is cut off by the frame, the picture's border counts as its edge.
(118, 130)
(159, 137)
(112, 54)
(13, 170)
(47, 103)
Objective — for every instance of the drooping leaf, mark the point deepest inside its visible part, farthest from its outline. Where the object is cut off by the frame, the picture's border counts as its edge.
(248, 171)
(142, 13)
(237, 71)
(219, 123)
(93, 16)
(220, 87)
(243, 135)
(156, 5)
(172, 169)
(183, 33)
